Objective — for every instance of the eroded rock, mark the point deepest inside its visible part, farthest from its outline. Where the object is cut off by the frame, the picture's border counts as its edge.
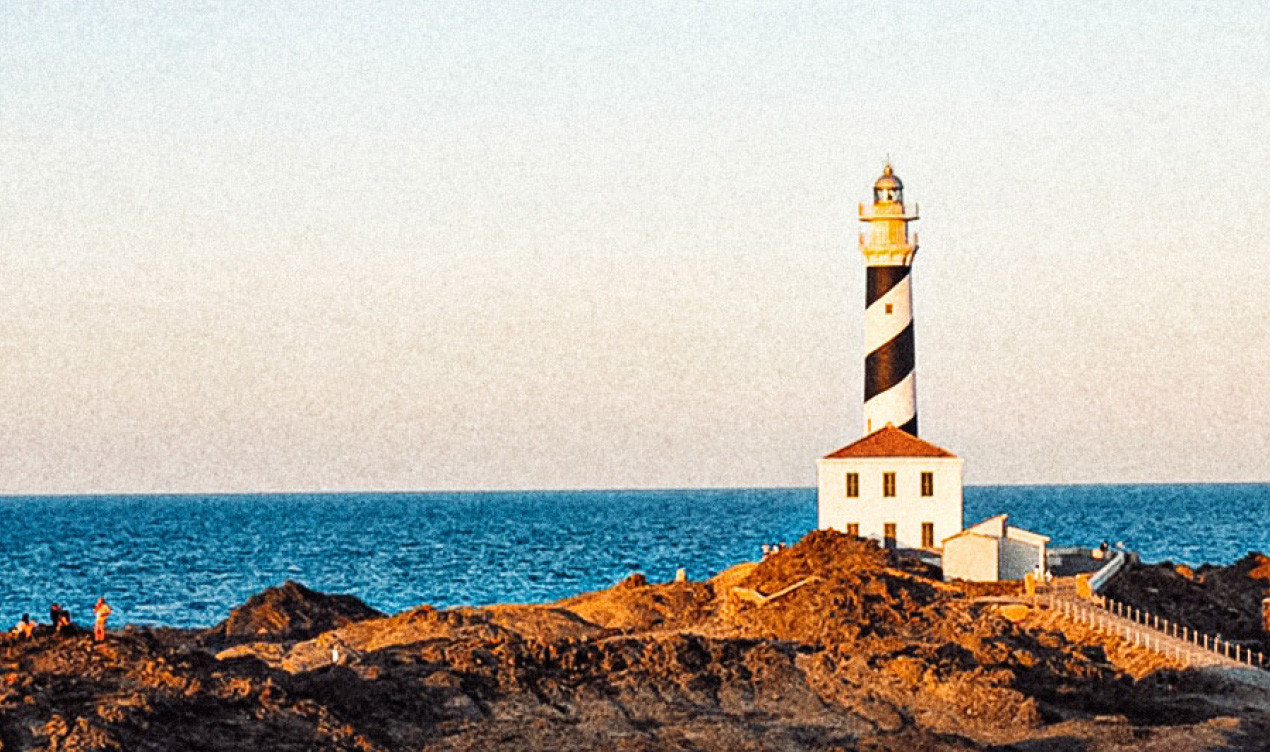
(290, 611)
(862, 655)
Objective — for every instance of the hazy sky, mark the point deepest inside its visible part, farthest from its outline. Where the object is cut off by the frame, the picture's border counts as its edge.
(373, 245)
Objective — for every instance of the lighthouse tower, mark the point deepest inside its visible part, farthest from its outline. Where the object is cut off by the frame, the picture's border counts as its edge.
(889, 485)
(890, 381)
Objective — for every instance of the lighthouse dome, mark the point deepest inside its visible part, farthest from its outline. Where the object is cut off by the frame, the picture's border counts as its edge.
(888, 187)
(888, 179)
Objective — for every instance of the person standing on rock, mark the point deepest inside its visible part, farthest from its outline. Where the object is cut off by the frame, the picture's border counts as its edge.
(101, 612)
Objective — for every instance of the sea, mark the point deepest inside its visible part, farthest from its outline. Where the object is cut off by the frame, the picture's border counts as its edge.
(186, 560)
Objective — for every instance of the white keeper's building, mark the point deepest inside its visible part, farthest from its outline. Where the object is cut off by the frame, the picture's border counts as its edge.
(893, 487)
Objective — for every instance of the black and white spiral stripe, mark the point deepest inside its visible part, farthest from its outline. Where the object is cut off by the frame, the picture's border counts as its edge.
(890, 381)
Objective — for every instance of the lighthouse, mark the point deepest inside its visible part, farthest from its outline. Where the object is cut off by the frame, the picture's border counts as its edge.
(889, 485)
(890, 380)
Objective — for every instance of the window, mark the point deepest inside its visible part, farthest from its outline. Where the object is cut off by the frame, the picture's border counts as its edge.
(928, 484)
(888, 535)
(890, 308)
(853, 485)
(928, 535)
(853, 529)
(888, 484)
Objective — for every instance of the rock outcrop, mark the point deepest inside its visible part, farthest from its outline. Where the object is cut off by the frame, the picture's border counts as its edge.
(290, 611)
(837, 649)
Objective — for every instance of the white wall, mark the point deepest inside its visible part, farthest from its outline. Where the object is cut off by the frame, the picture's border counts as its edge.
(908, 509)
(972, 558)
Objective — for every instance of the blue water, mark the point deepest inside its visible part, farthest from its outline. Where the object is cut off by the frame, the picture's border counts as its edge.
(186, 560)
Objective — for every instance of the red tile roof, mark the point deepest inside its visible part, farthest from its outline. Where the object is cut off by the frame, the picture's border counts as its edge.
(889, 442)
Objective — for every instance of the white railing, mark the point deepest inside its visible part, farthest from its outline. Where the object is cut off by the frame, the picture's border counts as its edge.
(1098, 579)
(1153, 632)
(869, 213)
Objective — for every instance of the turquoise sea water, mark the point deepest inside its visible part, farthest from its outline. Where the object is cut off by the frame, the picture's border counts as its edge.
(186, 560)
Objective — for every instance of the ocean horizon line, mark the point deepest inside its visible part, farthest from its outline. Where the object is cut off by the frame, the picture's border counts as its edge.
(577, 490)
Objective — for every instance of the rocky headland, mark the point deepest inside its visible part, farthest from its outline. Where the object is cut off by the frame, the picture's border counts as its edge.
(829, 645)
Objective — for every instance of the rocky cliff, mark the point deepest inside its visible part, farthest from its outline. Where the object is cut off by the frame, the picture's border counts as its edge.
(826, 646)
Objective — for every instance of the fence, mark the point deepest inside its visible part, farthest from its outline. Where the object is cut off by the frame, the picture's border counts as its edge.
(1153, 632)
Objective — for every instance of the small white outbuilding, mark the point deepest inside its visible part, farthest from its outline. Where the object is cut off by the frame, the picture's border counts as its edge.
(992, 551)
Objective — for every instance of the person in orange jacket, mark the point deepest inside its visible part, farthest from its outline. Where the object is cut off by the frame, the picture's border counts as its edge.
(102, 612)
